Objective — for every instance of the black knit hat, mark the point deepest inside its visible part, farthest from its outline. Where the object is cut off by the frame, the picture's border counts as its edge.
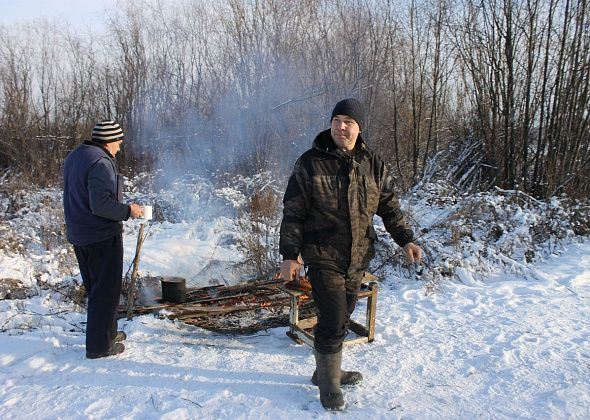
(106, 132)
(352, 108)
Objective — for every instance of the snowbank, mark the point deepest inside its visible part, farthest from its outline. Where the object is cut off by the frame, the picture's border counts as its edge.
(494, 324)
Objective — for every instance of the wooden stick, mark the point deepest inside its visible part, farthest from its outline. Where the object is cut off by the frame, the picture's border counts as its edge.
(130, 295)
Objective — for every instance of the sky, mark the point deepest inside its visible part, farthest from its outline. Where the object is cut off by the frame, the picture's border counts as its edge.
(79, 13)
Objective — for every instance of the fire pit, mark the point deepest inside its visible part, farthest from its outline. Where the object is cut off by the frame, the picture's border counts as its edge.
(243, 308)
(248, 307)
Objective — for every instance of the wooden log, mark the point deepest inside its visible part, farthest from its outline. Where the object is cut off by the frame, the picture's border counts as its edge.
(131, 294)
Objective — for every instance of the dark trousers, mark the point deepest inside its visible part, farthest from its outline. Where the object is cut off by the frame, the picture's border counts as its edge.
(101, 266)
(335, 295)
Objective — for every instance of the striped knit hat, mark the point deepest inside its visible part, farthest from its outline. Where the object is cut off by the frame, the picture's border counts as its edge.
(106, 132)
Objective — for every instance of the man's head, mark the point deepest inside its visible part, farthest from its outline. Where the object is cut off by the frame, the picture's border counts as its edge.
(109, 135)
(348, 118)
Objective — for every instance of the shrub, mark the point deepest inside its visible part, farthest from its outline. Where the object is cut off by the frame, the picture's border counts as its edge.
(259, 227)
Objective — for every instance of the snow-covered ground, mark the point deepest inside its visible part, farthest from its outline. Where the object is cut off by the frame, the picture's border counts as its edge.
(491, 343)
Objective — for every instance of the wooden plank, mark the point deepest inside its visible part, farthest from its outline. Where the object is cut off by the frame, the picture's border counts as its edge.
(294, 310)
(294, 337)
(304, 336)
(220, 298)
(364, 294)
(368, 277)
(292, 292)
(358, 328)
(355, 341)
(134, 273)
(372, 310)
(307, 322)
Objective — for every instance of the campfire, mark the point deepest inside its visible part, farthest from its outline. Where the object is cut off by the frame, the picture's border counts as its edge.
(243, 308)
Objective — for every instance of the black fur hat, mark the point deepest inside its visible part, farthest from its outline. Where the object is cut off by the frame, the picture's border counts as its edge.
(352, 108)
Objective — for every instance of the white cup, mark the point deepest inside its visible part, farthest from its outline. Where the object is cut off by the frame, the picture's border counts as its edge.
(147, 212)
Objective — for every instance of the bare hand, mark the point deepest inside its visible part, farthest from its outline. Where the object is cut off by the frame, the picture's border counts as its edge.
(413, 253)
(136, 210)
(290, 270)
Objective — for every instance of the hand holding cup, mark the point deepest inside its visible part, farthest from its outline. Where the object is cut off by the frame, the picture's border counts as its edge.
(147, 213)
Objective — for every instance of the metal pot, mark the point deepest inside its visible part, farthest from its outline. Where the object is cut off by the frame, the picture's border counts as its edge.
(174, 289)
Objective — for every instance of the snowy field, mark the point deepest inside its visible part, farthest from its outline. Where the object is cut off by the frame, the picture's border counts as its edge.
(509, 347)
(484, 343)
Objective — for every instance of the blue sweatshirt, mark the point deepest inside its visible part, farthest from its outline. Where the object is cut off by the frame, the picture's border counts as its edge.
(92, 196)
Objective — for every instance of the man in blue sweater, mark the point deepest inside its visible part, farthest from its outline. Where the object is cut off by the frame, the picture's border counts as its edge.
(94, 212)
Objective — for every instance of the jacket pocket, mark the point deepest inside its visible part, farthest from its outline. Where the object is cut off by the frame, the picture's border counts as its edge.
(319, 243)
(369, 253)
(325, 191)
(320, 236)
(370, 195)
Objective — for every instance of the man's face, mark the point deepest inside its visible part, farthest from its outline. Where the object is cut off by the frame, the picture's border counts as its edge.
(114, 147)
(344, 131)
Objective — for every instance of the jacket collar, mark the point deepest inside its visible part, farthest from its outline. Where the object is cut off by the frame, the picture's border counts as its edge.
(91, 143)
(324, 143)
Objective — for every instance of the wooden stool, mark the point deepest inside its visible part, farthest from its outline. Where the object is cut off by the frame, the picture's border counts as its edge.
(301, 330)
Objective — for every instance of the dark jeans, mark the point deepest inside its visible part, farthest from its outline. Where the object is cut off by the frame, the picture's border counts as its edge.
(101, 266)
(335, 295)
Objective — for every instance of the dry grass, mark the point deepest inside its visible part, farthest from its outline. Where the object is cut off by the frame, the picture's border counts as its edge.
(259, 233)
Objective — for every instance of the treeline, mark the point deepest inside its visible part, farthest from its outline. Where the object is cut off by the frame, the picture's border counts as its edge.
(485, 93)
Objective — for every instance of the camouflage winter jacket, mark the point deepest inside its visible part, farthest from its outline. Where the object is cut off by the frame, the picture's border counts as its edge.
(329, 205)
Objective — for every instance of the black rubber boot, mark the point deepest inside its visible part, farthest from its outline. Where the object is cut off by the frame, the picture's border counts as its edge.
(328, 373)
(346, 378)
(116, 348)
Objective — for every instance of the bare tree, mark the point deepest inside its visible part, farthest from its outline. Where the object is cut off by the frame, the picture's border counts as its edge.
(246, 84)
